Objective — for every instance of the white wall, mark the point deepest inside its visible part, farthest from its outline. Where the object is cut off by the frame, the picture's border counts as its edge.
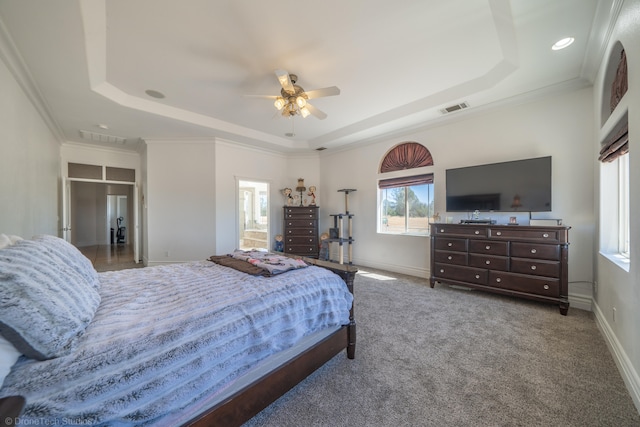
(235, 162)
(180, 201)
(619, 285)
(556, 125)
(29, 165)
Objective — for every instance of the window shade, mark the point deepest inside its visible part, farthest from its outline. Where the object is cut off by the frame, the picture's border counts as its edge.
(615, 146)
(408, 155)
(406, 181)
(620, 82)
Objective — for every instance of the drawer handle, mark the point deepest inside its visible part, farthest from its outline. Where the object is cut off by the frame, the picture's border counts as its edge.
(477, 232)
(498, 280)
(533, 251)
(449, 257)
(477, 276)
(487, 262)
(533, 267)
(546, 287)
(442, 270)
(545, 235)
(449, 244)
(499, 233)
(487, 247)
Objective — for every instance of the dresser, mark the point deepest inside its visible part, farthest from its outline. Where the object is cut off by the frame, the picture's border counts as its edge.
(301, 230)
(523, 261)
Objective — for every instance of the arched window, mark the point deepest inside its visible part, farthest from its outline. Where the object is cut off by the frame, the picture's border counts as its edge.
(406, 199)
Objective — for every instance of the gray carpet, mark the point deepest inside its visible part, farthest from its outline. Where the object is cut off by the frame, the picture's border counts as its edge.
(452, 357)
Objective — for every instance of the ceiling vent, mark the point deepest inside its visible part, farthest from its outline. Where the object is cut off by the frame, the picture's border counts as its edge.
(455, 107)
(100, 137)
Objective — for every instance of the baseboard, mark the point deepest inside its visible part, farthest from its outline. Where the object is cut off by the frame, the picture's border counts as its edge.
(395, 268)
(627, 371)
(581, 302)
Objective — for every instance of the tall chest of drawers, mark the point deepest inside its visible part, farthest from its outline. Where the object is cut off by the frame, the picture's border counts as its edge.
(301, 230)
(525, 261)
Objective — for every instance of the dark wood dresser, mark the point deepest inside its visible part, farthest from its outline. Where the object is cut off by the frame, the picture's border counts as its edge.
(301, 231)
(524, 261)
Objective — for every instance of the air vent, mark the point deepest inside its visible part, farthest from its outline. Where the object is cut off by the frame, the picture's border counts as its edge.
(100, 137)
(321, 148)
(455, 107)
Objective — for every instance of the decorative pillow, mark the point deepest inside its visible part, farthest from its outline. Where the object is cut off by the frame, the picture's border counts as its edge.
(8, 357)
(8, 240)
(48, 296)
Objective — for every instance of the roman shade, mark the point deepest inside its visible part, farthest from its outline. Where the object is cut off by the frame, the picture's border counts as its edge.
(616, 145)
(404, 181)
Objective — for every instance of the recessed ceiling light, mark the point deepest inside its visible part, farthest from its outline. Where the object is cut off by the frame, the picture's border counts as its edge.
(561, 44)
(154, 93)
(101, 126)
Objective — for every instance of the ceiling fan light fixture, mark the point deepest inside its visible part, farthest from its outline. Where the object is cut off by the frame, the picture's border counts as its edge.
(301, 101)
(279, 103)
(304, 112)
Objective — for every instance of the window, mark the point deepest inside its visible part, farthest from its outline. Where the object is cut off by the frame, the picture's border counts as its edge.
(406, 201)
(623, 204)
(406, 209)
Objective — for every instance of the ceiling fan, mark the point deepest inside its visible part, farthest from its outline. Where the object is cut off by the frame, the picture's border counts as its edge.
(293, 99)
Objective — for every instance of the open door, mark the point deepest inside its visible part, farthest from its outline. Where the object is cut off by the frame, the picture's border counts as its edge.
(136, 226)
(66, 209)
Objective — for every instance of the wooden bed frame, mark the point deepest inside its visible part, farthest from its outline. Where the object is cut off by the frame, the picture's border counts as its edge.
(249, 401)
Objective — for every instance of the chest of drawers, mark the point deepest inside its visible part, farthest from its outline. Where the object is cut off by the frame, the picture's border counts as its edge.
(525, 261)
(301, 230)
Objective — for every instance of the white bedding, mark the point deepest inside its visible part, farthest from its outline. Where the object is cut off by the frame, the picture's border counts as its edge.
(166, 339)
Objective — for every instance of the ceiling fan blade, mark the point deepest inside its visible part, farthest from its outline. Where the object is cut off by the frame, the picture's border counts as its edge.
(315, 112)
(285, 81)
(261, 96)
(327, 91)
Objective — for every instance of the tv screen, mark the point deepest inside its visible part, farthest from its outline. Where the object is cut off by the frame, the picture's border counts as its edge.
(516, 186)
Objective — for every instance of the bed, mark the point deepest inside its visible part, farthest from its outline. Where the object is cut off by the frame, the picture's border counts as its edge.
(195, 343)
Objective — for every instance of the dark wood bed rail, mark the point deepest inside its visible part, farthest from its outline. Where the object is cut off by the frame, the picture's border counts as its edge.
(249, 401)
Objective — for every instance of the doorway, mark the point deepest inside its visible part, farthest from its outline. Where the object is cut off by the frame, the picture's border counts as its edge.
(97, 222)
(253, 215)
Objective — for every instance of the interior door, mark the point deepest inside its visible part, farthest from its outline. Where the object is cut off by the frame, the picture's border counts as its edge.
(66, 209)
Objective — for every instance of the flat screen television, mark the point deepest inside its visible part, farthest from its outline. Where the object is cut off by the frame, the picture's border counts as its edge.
(515, 186)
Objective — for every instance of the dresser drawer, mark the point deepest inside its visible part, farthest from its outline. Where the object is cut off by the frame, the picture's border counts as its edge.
(525, 283)
(460, 230)
(446, 244)
(461, 274)
(301, 223)
(302, 240)
(301, 249)
(536, 267)
(533, 234)
(535, 250)
(300, 213)
(458, 258)
(489, 247)
(489, 261)
(301, 232)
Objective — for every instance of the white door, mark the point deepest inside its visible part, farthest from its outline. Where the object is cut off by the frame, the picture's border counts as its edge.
(66, 209)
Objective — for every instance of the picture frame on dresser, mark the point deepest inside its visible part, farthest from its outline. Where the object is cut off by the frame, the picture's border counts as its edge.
(523, 261)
